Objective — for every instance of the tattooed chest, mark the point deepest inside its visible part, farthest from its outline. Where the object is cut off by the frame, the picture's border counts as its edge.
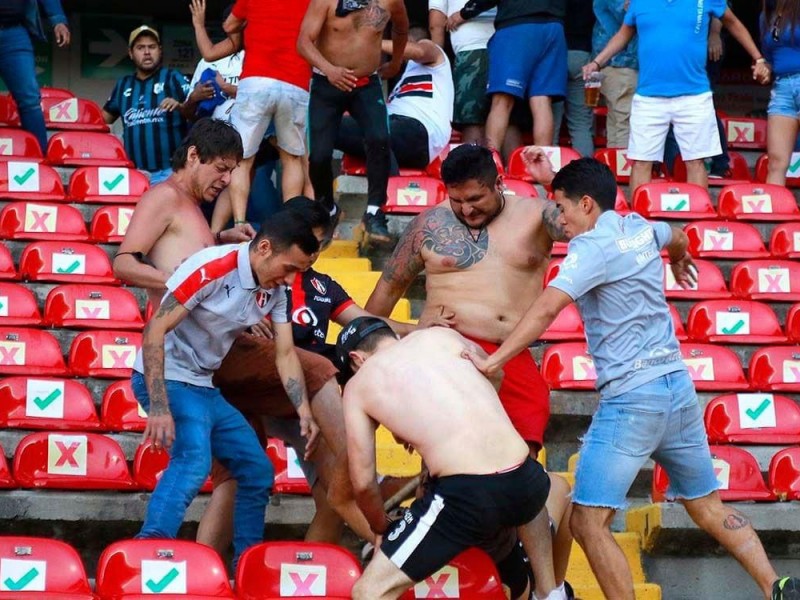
(374, 16)
(455, 247)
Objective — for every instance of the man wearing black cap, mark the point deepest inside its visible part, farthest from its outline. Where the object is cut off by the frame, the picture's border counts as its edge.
(153, 105)
(483, 484)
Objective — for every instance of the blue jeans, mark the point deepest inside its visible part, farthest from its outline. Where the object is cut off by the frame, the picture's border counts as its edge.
(580, 118)
(206, 425)
(662, 419)
(18, 72)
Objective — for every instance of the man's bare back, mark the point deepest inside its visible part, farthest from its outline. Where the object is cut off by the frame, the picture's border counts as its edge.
(424, 391)
(487, 277)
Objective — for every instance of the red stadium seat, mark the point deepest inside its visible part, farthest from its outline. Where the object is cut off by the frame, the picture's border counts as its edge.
(412, 195)
(40, 221)
(518, 187)
(785, 240)
(73, 113)
(52, 404)
(6, 480)
(71, 461)
(353, 165)
(730, 240)
(44, 569)
(621, 204)
(792, 173)
(296, 570)
(752, 419)
(742, 132)
(569, 366)
(119, 410)
(9, 116)
(18, 144)
(435, 168)
(600, 119)
(471, 574)
(289, 477)
(110, 224)
(553, 267)
(757, 202)
(54, 92)
(774, 280)
(107, 185)
(734, 322)
(793, 324)
(27, 180)
(710, 283)
(567, 326)
(784, 474)
(559, 156)
(617, 160)
(18, 306)
(7, 269)
(677, 323)
(29, 352)
(104, 354)
(713, 368)
(776, 369)
(92, 306)
(174, 569)
(673, 200)
(738, 474)
(149, 465)
(740, 172)
(82, 148)
(559, 249)
(67, 262)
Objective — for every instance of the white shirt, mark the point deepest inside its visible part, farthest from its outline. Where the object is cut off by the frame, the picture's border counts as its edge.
(230, 68)
(473, 34)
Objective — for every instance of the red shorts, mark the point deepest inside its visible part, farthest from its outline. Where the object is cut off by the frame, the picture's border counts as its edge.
(523, 393)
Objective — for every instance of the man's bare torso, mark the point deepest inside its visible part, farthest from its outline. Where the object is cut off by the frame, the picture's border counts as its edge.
(487, 278)
(426, 393)
(354, 41)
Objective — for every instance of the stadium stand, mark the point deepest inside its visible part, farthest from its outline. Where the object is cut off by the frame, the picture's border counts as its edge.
(18, 307)
(119, 410)
(19, 145)
(673, 200)
(40, 221)
(107, 185)
(104, 354)
(757, 202)
(41, 568)
(46, 403)
(752, 419)
(30, 180)
(92, 306)
(471, 574)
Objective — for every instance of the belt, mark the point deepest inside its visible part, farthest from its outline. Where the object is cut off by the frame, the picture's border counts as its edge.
(362, 81)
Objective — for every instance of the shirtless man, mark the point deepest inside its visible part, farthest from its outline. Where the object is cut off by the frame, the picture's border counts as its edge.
(487, 288)
(166, 228)
(483, 482)
(341, 40)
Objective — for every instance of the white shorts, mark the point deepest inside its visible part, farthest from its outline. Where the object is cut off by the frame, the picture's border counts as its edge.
(693, 121)
(259, 101)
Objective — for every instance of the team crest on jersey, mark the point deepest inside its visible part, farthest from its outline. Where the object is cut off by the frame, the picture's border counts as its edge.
(261, 299)
(318, 285)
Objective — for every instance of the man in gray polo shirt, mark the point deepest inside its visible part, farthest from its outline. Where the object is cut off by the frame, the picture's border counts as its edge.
(211, 298)
(648, 405)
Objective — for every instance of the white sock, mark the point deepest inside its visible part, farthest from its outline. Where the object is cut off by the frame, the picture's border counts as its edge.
(371, 210)
(558, 593)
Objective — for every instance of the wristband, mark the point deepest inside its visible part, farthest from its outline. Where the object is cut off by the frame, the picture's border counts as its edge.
(599, 66)
(239, 222)
(759, 60)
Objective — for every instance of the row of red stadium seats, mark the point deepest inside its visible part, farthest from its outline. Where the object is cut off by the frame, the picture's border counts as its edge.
(45, 221)
(65, 148)
(65, 112)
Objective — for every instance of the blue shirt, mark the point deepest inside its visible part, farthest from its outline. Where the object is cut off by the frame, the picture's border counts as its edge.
(673, 44)
(615, 274)
(609, 16)
(783, 55)
(151, 135)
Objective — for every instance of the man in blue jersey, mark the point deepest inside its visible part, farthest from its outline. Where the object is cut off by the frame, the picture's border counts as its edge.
(153, 105)
(648, 405)
(673, 87)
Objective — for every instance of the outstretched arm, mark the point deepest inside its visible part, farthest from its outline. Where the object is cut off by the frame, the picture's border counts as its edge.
(615, 45)
(208, 49)
(424, 52)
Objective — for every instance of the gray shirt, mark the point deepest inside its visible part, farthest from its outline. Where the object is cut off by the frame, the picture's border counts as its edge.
(615, 274)
(217, 287)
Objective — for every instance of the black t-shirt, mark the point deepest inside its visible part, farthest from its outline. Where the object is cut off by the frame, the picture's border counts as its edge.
(12, 12)
(315, 299)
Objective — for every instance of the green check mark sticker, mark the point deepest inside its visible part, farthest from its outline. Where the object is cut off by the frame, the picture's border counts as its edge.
(43, 403)
(794, 167)
(158, 586)
(21, 179)
(734, 328)
(756, 412)
(71, 268)
(22, 582)
(679, 205)
(110, 185)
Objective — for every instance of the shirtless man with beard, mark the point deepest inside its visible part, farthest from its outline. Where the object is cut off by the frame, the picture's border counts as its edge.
(341, 40)
(484, 255)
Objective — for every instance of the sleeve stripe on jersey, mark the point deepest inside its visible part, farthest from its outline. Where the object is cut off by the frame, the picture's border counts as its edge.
(202, 276)
(342, 307)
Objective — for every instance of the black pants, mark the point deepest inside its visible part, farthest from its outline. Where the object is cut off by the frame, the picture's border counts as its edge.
(326, 106)
(407, 136)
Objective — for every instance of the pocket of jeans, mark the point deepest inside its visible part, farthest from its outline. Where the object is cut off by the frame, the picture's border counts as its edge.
(636, 431)
(692, 429)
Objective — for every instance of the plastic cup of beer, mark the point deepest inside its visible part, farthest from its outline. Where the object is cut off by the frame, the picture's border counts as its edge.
(591, 89)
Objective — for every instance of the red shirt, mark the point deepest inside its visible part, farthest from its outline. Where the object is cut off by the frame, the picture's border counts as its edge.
(270, 40)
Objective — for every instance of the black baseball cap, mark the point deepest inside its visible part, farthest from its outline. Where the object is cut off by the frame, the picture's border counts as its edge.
(349, 339)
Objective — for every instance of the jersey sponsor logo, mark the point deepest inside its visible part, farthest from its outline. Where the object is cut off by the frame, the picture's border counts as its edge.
(158, 88)
(323, 299)
(318, 285)
(305, 316)
(635, 242)
(134, 117)
(420, 86)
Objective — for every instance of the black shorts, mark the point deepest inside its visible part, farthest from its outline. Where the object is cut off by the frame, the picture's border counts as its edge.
(461, 511)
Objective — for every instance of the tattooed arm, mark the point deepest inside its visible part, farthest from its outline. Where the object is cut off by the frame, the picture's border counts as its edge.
(551, 217)
(160, 426)
(294, 383)
(404, 265)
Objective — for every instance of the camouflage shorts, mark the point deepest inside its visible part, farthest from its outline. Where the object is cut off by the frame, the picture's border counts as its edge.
(469, 76)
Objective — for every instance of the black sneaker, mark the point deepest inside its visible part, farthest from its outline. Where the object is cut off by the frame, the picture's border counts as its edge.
(376, 228)
(569, 591)
(336, 216)
(786, 588)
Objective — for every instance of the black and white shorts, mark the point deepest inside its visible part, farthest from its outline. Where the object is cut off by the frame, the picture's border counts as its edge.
(461, 511)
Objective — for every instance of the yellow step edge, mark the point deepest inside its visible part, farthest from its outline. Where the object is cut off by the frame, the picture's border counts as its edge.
(572, 462)
(341, 249)
(340, 265)
(645, 521)
(644, 591)
(579, 572)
